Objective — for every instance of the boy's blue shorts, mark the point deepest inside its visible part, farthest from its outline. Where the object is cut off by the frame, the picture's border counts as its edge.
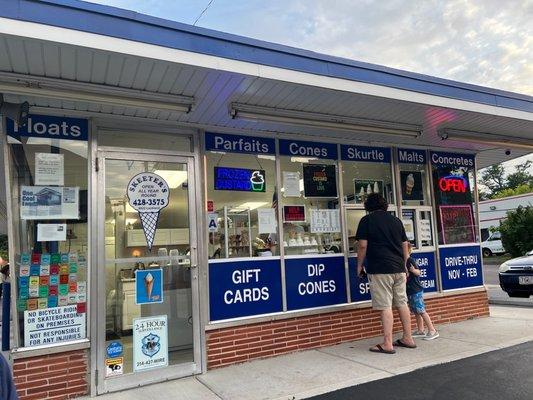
(416, 302)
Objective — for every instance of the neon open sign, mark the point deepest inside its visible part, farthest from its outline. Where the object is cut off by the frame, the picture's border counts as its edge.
(453, 183)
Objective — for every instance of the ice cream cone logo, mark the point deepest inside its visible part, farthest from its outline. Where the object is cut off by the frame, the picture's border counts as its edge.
(148, 194)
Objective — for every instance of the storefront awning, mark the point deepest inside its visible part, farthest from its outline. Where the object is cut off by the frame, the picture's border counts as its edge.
(80, 49)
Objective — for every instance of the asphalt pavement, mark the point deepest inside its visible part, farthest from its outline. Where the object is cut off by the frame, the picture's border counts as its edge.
(500, 374)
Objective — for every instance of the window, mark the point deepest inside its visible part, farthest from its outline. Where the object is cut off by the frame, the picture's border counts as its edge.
(49, 181)
(242, 189)
(454, 185)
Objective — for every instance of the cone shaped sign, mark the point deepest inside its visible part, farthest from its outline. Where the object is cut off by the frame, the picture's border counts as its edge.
(148, 194)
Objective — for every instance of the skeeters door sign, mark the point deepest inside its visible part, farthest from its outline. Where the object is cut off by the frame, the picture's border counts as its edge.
(148, 194)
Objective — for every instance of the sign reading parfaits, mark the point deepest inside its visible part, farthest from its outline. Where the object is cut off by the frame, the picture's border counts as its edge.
(440, 159)
(239, 144)
(51, 127)
(298, 148)
(460, 267)
(365, 153)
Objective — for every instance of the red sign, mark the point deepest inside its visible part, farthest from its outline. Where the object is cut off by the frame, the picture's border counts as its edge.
(457, 224)
(293, 213)
(210, 206)
(453, 184)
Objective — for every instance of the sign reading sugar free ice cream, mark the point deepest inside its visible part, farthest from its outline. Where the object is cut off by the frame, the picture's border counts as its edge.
(244, 288)
(460, 267)
(148, 194)
(365, 153)
(315, 282)
(428, 275)
(148, 286)
(239, 144)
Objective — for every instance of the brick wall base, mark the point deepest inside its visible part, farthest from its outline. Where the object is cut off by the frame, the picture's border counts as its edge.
(228, 346)
(55, 376)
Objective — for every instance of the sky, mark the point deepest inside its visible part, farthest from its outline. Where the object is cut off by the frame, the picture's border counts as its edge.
(484, 42)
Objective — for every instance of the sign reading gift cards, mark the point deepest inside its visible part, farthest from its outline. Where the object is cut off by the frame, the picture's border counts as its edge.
(315, 282)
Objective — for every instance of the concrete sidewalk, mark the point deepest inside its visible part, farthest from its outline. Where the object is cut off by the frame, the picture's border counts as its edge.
(313, 372)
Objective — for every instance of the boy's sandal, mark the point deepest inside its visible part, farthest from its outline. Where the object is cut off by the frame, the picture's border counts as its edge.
(399, 343)
(378, 349)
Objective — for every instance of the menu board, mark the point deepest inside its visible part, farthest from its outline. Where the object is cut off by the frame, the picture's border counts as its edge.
(457, 224)
(293, 213)
(325, 221)
(320, 180)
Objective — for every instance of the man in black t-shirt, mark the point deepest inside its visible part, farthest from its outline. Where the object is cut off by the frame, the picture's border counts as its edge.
(381, 239)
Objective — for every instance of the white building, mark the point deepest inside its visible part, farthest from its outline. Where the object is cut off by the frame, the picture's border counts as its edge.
(492, 212)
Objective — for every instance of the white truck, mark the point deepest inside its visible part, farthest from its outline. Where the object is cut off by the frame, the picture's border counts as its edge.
(492, 245)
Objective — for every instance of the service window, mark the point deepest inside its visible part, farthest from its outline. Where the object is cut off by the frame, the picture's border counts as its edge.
(310, 198)
(242, 198)
(49, 180)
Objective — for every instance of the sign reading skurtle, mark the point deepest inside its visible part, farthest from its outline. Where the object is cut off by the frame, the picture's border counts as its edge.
(148, 194)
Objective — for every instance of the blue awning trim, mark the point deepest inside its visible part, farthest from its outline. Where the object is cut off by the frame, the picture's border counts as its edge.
(124, 24)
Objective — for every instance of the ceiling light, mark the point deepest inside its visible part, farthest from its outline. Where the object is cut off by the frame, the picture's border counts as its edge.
(486, 139)
(327, 121)
(174, 179)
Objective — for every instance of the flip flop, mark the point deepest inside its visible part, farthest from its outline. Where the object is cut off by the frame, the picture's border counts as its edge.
(380, 349)
(399, 343)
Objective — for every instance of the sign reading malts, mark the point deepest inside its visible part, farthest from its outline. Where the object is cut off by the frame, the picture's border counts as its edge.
(293, 213)
(440, 159)
(239, 144)
(240, 179)
(315, 282)
(365, 153)
(320, 180)
(411, 156)
(47, 126)
(460, 267)
(53, 325)
(457, 224)
(298, 148)
(244, 288)
(428, 275)
(359, 287)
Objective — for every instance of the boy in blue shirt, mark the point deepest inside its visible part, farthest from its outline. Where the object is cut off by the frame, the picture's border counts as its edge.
(415, 298)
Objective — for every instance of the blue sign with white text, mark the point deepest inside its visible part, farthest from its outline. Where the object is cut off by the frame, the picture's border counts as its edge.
(440, 159)
(428, 273)
(114, 349)
(298, 148)
(359, 287)
(50, 127)
(365, 153)
(244, 288)
(315, 282)
(460, 267)
(411, 156)
(239, 144)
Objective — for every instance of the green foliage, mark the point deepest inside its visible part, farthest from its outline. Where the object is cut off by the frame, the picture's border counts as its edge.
(493, 178)
(522, 189)
(517, 231)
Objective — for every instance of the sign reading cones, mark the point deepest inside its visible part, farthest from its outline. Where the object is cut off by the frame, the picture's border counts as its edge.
(148, 194)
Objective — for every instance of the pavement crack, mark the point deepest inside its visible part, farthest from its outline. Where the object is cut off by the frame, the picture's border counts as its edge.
(209, 388)
(356, 362)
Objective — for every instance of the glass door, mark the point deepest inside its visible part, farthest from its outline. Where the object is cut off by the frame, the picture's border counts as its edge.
(148, 319)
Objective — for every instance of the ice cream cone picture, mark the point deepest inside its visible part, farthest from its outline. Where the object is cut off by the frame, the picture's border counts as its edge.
(148, 194)
(409, 184)
(149, 285)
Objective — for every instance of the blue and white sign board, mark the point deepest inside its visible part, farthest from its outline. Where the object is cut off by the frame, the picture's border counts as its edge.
(315, 282)
(411, 156)
(244, 288)
(442, 159)
(428, 273)
(50, 127)
(460, 267)
(239, 144)
(150, 343)
(299, 148)
(148, 286)
(114, 349)
(365, 154)
(359, 287)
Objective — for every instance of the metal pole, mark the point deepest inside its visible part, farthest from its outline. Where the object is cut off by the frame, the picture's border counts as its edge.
(6, 315)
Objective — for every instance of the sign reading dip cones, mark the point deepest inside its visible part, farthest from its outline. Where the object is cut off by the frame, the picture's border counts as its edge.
(148, 194)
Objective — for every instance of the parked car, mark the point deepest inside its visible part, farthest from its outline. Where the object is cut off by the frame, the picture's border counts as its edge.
(529, 253)
(492, 245)
(516, 276)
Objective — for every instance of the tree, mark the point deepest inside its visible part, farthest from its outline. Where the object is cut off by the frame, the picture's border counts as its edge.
(493, 178)
(522, 189)
(521, 176)
(517, 235)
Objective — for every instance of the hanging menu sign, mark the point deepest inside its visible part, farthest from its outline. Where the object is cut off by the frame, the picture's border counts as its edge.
(320, 180)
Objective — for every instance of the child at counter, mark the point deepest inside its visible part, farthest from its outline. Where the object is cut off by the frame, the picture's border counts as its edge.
(415, 297)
